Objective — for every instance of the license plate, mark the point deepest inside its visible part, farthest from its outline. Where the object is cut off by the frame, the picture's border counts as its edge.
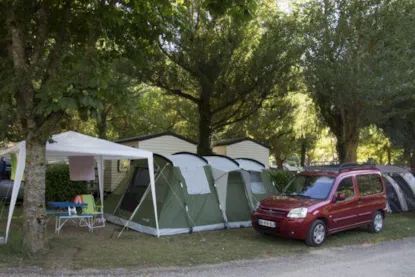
(266, 223)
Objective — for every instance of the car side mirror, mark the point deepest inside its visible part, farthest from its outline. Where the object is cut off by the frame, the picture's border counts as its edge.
(340, 196)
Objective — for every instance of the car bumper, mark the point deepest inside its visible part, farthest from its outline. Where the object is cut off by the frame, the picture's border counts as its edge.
(285, 227)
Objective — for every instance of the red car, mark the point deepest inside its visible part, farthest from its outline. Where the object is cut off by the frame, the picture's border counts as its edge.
(322, 201)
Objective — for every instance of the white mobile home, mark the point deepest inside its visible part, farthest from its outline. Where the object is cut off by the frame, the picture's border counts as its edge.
(165, 144)
(243, 148)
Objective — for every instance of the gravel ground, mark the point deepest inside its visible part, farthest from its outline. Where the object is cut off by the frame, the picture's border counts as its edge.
(394, 258)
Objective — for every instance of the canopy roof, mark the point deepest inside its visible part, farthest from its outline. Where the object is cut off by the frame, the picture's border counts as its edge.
(75, 144)
(71, 144)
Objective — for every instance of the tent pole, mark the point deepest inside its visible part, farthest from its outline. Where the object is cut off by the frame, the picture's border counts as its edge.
(135, 211)
(139, 204)
(189, 219)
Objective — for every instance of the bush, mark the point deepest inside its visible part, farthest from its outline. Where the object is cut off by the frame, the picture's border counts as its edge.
(280, 178)
(58, 185)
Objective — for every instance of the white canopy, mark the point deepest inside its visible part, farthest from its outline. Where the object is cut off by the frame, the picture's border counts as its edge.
(70, 144)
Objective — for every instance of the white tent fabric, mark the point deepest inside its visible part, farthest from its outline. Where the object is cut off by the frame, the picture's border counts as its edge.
(222, 163)
(410, 179)
(221, 168)
(250, 165)
(221, 182)
(193, 172)
(399, 192)
(391, 169)
(69, 144)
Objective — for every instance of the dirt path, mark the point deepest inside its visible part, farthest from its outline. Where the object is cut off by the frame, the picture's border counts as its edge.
(381, 260)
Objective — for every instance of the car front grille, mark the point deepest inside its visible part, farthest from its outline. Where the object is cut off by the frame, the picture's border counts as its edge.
(272, 212)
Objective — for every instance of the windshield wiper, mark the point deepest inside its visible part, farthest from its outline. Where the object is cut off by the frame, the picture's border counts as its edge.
(299, 195)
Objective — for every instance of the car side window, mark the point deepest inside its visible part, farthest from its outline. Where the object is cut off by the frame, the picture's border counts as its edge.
(369, 184)
(346, 187)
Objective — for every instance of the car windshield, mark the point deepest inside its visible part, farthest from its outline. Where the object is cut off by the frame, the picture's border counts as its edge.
(315, 187)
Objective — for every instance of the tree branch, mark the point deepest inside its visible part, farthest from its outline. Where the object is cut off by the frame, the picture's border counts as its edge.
(49, 123)
(60, 40)
(225, 122)
(185, 67)
(177, 92)
(42, 33)
(232, 101)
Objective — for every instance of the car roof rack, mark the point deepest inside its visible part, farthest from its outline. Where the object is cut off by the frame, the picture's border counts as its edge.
(341, 167)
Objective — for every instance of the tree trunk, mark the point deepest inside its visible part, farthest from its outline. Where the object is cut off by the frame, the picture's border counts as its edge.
(34, 212)
(102, 126)
(278, 160)
(347, 142)
(389, 155)
(204, 146)
(347, 150)
(303, 151)
(280, 163)
(409, 155)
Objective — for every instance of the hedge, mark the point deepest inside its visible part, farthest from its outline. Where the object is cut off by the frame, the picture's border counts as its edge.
(58, 185)
(280, 178)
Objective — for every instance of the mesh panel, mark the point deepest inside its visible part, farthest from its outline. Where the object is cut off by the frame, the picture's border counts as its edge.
(257, 187)
(136, 189)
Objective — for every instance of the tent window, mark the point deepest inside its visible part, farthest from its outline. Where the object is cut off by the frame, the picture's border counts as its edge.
(136, 189)
(257, 186)
(196, 180)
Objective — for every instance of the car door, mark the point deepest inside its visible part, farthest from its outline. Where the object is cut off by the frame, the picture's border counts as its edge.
(371, 198)
(342, 213)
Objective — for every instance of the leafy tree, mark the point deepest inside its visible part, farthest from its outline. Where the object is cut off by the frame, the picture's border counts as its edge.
(57, 60)
(272, 124)
(152, 111)
(224, 59)
(350, 62)
(376, 146)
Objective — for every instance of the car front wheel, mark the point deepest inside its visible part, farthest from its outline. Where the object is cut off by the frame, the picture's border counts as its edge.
(377, 223)
(316, 234)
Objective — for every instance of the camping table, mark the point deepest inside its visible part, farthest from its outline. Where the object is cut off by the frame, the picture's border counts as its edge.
(70, 206)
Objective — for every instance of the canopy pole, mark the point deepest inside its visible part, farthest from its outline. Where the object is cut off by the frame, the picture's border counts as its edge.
(100, 163)
(21, 164)
(153, 191)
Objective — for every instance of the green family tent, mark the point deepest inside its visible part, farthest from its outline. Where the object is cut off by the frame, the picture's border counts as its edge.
(259, 180)
(192, 193)
(185, 196)
(233, 191)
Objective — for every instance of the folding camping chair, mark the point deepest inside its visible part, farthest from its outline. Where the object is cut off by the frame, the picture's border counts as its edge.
(98, 219)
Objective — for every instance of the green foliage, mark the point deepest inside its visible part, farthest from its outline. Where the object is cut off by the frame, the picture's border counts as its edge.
(376, 146)
(59, 187)
(353, 64)
(223, 63)
(280, 178)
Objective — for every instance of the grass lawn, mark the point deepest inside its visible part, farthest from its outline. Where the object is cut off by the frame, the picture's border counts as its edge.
(76, 248)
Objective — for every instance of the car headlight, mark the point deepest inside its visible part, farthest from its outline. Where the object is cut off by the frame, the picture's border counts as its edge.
(298, 213)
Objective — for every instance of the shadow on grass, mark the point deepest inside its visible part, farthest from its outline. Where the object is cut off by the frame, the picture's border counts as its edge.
(76, 248)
